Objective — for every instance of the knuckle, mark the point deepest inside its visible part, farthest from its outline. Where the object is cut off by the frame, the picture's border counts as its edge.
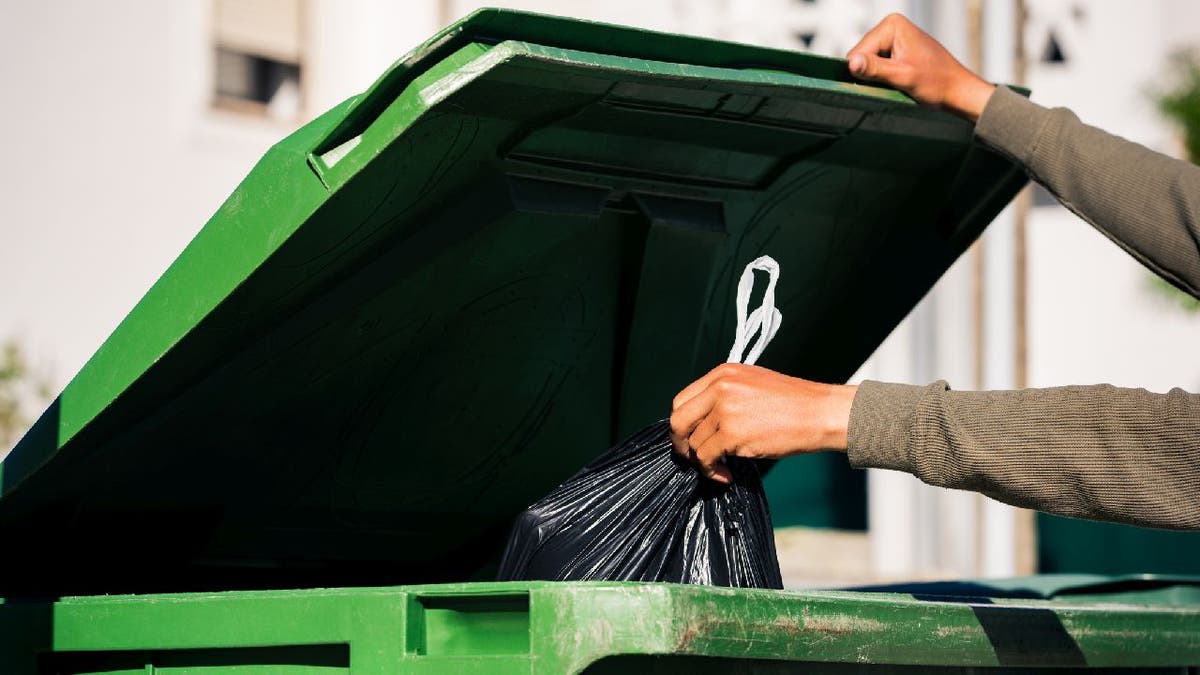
(721, 410)
(727, 385)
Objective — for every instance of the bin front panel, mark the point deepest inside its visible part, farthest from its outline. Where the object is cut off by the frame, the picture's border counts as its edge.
(545, 628)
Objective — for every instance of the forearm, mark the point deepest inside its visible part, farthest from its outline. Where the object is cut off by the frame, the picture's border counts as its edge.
(1146, 202)
(1098, 452)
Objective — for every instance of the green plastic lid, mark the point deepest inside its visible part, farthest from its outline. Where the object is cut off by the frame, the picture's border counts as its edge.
(427, 307)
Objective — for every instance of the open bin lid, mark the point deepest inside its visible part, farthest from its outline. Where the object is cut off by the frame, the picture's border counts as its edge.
(430, 305)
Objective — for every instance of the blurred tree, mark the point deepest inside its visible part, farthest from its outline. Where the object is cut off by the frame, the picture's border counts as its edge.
(1180, 103)
(1166, 291)
(18, 382)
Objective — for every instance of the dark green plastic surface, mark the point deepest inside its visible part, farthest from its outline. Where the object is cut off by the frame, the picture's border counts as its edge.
(1134, 589)
(1069, 545)
(424, 309)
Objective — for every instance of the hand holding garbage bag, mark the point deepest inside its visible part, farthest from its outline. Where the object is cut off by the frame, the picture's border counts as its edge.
(738, 410)
(642, 512)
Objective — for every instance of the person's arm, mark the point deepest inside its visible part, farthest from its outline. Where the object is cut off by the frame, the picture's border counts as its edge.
(1097, 452)
(1146, 202)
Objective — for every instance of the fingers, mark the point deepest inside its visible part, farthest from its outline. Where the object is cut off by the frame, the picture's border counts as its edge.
(879, 69)
(722, 474)
(686, 417)
(709, 458)
(704, 431)
(690, 447)
(695, 430)
(878, 40)
(872, 58)
(689, 392)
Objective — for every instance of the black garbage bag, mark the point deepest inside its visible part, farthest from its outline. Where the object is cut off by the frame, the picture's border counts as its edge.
(641, 513)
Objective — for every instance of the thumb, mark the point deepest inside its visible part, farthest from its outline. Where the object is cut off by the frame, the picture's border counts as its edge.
(875, 68)
(718, 472)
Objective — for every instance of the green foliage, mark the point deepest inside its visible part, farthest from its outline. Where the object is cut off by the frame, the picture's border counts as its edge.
(1180, 102)
(1169, 293)
(18, 382)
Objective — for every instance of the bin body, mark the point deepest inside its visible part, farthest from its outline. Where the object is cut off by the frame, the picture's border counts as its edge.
(426, 308)
(550, 628)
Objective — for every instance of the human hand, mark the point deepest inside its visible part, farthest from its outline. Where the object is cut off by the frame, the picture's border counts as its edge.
(899, 54)
(749, 411)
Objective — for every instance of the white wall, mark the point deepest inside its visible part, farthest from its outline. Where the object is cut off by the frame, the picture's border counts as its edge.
(1092, 317)
(111, 163)
(114, 158)
(352, 42)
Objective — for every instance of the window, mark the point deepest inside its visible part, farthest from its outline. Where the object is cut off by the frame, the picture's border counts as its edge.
(1054, 32)
(829, 28)
(257, 55)
(1052, 51)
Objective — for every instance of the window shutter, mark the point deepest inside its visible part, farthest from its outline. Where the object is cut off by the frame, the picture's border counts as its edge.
(266, 28)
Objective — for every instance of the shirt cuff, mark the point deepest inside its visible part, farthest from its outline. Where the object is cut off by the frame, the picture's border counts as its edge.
(1012, 124)
(880, 419)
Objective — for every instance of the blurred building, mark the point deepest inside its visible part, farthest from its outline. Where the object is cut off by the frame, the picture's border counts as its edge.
(129, 122)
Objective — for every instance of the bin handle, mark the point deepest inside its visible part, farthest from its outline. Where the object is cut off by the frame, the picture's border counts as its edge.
(763, 321)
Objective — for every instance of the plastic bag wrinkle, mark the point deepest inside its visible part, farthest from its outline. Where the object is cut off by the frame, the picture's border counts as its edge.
(640, 513)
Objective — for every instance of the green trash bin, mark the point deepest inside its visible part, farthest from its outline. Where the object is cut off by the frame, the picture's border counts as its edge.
(427, 307)
(596, 627)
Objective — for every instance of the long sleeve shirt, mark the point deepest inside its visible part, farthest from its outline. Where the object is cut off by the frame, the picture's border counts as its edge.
(1098, 452)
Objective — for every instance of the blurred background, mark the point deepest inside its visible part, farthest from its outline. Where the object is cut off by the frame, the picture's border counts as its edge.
(129, 121)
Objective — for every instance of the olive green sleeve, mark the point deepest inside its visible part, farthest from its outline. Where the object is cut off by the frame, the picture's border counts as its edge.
(1098, 452)
(1146, 202)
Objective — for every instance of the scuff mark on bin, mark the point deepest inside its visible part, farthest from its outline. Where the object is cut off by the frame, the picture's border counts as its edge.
(839, 624)
(955, 631)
